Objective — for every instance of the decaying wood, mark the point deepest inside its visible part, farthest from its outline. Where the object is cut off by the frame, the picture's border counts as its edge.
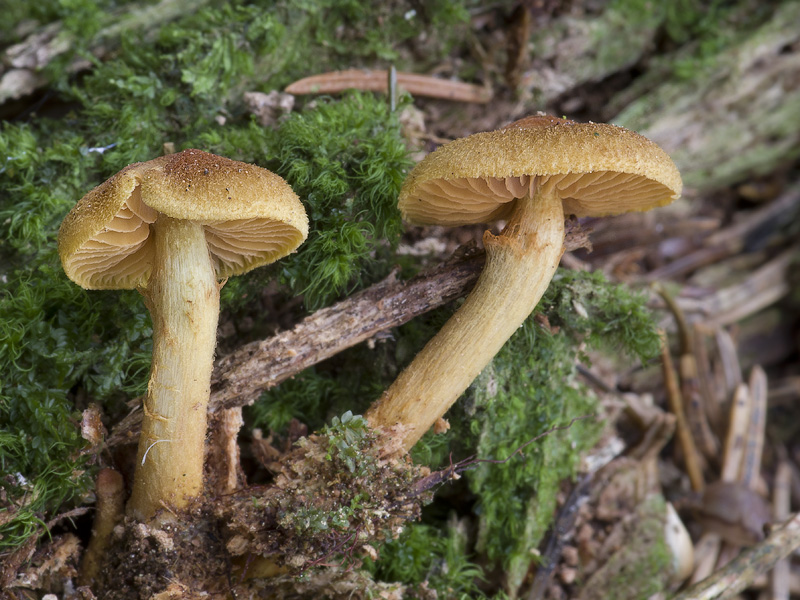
(21, 65)
(743, 570)
(736, 115)
(565, 52)
(378, 81)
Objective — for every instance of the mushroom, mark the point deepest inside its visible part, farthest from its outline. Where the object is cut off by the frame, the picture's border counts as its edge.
(530, 174)
(172, 227)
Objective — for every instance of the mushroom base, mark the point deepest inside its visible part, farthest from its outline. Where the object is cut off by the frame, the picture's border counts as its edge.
(183, 299)
(520, 262)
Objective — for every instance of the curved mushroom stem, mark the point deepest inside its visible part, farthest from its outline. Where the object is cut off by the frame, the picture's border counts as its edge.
(183, 298)
(520, 263)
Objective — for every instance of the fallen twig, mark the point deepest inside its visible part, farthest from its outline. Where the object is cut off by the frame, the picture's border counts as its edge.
(240, 377)
(692, 457)
(740, 573)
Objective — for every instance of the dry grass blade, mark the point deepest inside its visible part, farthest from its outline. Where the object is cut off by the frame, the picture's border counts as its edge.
(694, 465)
(751, 462)
(378, 81)
(736, 439)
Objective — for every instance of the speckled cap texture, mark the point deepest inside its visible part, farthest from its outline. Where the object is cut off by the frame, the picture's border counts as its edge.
(596, 169)
(251, 217)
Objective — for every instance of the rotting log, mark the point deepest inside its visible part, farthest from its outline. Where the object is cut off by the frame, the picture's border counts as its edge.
(723, 114)
(737, 115)
(22, 65)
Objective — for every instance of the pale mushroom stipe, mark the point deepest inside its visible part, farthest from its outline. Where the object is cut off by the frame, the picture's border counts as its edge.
(531, 174)
(173, 228)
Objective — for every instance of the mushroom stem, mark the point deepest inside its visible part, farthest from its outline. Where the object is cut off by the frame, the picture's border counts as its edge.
(183, 298)
(520, 262)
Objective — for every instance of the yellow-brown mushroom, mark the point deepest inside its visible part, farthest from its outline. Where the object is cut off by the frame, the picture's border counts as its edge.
(173, 227)
(530, 174)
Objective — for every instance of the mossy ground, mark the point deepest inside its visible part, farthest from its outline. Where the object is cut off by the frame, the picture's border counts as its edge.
(64, 347)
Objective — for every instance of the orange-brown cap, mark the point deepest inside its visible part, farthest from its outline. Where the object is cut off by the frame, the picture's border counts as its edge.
(250, 215)
(596, 169)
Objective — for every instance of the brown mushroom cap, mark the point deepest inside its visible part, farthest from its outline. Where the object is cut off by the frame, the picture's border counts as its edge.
(250, 215)
(597, 170)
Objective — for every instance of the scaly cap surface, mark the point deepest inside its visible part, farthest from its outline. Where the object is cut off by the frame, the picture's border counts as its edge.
(597, 170)
(250, 215)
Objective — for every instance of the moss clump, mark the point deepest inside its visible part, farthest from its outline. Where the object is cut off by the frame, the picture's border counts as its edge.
(335, 494)
(348, 160)
(439, 558)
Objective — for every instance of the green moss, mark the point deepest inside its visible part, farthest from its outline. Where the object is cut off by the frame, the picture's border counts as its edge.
(347, 159)
(64, 343)
(423, 553)
(642, 567)
(19, 16)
